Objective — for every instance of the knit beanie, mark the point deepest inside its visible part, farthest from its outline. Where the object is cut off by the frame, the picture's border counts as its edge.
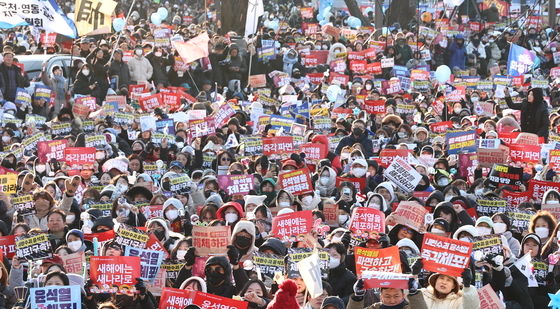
(285, 298)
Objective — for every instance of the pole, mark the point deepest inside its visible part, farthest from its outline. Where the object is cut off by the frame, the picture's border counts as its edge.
(551, 13)
(121, 32)
(250, 52)
(189, 72)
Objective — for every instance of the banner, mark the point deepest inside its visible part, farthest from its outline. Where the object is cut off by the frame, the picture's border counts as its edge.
(114, 274)
(8, 183)
(359, 183)
(380, 279)
(292, 224)
(194, 48)
(525, 153)
(461, 141)
(489, 207)
(387, 156)
(366, 220)
(236, 184)
(489, 157)
(56, 297)
(44, 15)
(79, 156)
(278, 145)
(24, 204)
(131, 236)
(150, 261)
(513, 199)
(74, 263)
(539, 187)
(403, 175)
(445, 255)
(519, 218)
(502, 175)
(385, 260)
(176, 298)
(374, 106)
(296, 182)
(520, 60)
(8, 245)
(33, 246)
(211, 240)
(47, 150)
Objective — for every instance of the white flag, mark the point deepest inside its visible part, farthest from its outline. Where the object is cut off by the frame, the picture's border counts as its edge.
(310, 271)
(524, 265)
(255, 9)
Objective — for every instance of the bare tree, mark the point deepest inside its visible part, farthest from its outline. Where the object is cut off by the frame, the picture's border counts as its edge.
(233, 15)
(401, 11)
(355, 11)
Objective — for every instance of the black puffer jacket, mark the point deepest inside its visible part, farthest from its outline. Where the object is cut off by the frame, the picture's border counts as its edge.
(534, 116)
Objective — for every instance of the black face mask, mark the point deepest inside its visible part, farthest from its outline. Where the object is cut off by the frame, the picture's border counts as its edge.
(214, 278)
(296, 75)
(399, 306)
(159, 234)
(243, 242)
(357, 132)
(166, 186)
(236, 173)
(207, 193)
(137, 151)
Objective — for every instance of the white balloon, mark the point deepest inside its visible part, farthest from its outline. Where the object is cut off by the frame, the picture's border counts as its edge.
(443, 73)
(332, 92)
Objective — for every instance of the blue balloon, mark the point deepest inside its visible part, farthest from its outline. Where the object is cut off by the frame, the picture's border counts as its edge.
(324, 22)
(274, 24)
(163, 13)
(118, 24)
(443, 73)
(156, 19)
(354, 22)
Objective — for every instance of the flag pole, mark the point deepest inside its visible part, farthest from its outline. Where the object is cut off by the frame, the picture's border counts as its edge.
(253, 32)
(121, 32)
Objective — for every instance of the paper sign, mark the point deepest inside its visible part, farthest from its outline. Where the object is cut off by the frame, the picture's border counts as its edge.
(379, 279)
(489, 157)
(114, 274)
(410, 214)
(368, 220)
(206, 300)
(489, 299)
(501, 175)
(525, 153)
(8, 245)
(385, 260)
(462, 141)
(445, 255)
(359, 183)
(48, 150)
(296, 182)
(292, 224)
(131, 236)
(211, 240)
(56, 296)
(79, 156)
(236, 184)
(374, 106)
(269, 264)
(403, 175)
(24, 204)
(257, 81)
(74, 263)
(150, 261)
(313, 152)
(8, 183)
(176, 298)
(33, 246)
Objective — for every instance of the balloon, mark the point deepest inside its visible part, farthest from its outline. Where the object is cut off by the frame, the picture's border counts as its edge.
(443, 73)
(156, 19)
(354, 22)
(328, 16)
(324, 22)
(274, 24)
(324, 12)
(162, 12)
(332, 92)
(427, 17)
(118, 24)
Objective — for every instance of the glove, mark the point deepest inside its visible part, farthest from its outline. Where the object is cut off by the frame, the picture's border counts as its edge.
(190, 256)
(467, 277)
(497, 262)
(412, 286)
(384, 240)
(345, 240)
(88, 286)
(417, 267)
(359, 289)
(140, 286)
(233, 255)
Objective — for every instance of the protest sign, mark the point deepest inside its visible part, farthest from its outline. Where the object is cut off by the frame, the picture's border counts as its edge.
(313, 152)
(207, 301)
(445, 255)
(461, 141)
(519, 218)
(253, 145)
(489, 299)
(380, 279)
(33, 246)
(152, 211)
(295, 255)
(374, 106)
(554, 160)
(403, 175)
(172, 269)
(8, 183)
(489, 157)
(359, 183)
(79, 156)
(502, 175)
(180, 185)
(278, 145)
(539, 187)
(330, 211)
(74, 263)
(525, 153)
(410, 214)
(236, 184)
(513, 199)
(114, 274)
(211, 240)
(8, 245)
(489, 207)
(385, 260)
(367, 220)
(292, 224)
(441, 127)
(104, 207)
(61, 128)
(131, 236)
(487, 246)
(150, 261)
(150, 103)
(387, 156)
(47, 150)
(176, 298)
(56, 297)
(269, 264)
(87, 101)
(24, 204)
(296, 182)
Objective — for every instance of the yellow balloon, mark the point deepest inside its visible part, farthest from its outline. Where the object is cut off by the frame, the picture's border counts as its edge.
(427, 17)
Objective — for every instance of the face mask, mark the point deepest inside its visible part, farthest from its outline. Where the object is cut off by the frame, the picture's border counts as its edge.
(6, 139)
(157, 54)
(483, 231)
(542, 232)
(172, 214)
(181, 254)
(284, 204)
(307, 200)
(75, 245)
(243, 242)
(342, 219)
(85, 72)
(499, 227)
(159, 234)
(324, 180)
(357, 131)
(402, 134)
(491, 41)
(359, 171)
(479, 191)
(70, 219)
(124, 212)
(231, 217)
(368, 87)
(138, 52)
(40, 168)
(463, 192)
(214, 277)
(443, 181)
(375, 206)
(334, 263)
(344, 156)
(457, 110)
(466, 239)
(438, 231)
(553, 202)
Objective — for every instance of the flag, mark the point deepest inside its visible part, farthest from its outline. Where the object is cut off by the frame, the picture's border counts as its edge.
(47, 15)
(93, 17)
(526, 268)
(255, 9)
(194, 48)
(310, 271)
(520, 60)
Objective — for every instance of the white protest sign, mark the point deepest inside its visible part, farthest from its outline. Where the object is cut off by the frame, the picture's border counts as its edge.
(403, 175)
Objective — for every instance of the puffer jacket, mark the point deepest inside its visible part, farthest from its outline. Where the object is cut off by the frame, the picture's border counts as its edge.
(140, 69)
(467, 299)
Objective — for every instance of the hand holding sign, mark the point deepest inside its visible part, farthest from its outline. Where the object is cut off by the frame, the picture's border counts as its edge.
(72, 185)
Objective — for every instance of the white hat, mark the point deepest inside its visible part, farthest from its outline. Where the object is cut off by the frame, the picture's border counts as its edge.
(254, 199)
(285, 211)
(173, 202)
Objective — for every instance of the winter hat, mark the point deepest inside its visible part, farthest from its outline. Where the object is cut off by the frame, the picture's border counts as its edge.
(75, 232)
(173, 202)
(405, 242)
(254, 199)
(285, 298)
(286, 210)
(334, 301)
(485, 219)
(361, 162)
(433, 278)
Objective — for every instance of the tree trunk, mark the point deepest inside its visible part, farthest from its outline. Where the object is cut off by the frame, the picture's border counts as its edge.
(233, 15)
(355, 11)
(402, 12)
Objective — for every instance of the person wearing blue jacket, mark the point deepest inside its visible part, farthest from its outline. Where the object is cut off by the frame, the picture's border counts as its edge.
(457, 53)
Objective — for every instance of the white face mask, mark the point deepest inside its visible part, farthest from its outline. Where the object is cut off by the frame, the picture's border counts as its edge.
(448, 197)
(181, 254)
(334, 263)
(375, 206)
(443, 181)
(40, 168)
(345, 155)
(307, 200)
(85, 72)
(6, 139)
(499, 227)
(342, 219)
(231, 217)
(558, 235)
(250, 215)
(172, 214)
(368, 87)
(138, 52)
(438, 231)
(157, 54)
(466, 239)
(479, 191)
(457, 110)
(70, 218)
(75, 245)
(483, 231)
(336, 239)
(324, 180)
(542, 232)
(553, 202)
(100, 155)
(463, 192)
(359, 171)
(284, 204)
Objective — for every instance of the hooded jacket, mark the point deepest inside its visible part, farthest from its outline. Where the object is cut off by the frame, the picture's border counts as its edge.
(384, 207)
(249, 227)
(270, 196)
(327, 189)
(389, 186)
(534, 116)
(466, 298)
(350, 140)
(169, 237)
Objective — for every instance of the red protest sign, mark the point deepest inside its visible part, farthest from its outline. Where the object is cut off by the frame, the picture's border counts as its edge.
(419, 75)
(311, 61)
(137, 88)
(107, 271)
(296, 182)
(150, 103)
(525, 153)
(292, 224)
(388, 155)
(315, 78)
(211, 240)
(359, 183)
(441, 127)
(358, 66)
(152, 211)
(80, 110)
(410, 214)
(306, 12)
(313, 152)
(554, 160)
(155, 245)
(87, 101)
(374, 106)
(101, 237)
(378, 279)
(223, 114)
(236, 184)
(539, 187)
(340, 78)
(8, 245)
(79, 155)
(205, 300)
(356, 56)
(176, 298)
(374, 68)
(47, 150)
(172, 100)
(386, 260)
(48, 39)
(330, 211)
(488, 298)
(278, 145)
(513, 198)
(366, 219)
(445, 255)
